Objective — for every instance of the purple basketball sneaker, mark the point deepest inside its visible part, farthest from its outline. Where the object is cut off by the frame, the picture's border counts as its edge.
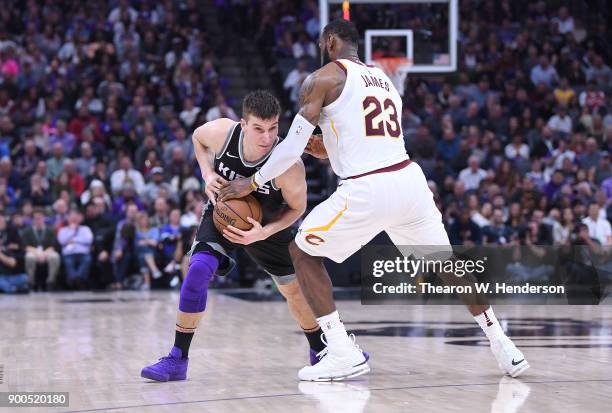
(169, 368)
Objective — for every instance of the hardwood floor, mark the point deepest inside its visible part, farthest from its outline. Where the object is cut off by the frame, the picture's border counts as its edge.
(246, 355)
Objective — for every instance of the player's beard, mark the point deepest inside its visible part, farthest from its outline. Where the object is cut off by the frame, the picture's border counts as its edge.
(325, 59)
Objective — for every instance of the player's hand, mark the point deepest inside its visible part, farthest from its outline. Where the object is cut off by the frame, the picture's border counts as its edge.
(315, 147)
(237, 236)
(213, 185)
(237, 188)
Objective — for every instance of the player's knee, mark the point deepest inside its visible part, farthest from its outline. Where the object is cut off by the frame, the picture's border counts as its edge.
(194, 290)
(202, 266)
(291, 291)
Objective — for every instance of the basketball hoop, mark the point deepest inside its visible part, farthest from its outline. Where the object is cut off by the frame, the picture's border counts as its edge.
(395, 67)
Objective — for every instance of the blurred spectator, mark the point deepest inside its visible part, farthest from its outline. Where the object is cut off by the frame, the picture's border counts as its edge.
(561, 122)
(152, 189)
(599, 227)
(123, 199)
(75, 181)
(96, 190)
(563, 228)
(591, 156)
(191, 218)
(123, 9)
(40, 250)
(592, 98)
(473, 174)
(304, 47)
(180, 141)
(60, 215)
(517, 149)
(10, 176)
(189, 114)
(221, 110)
(124, 258)
(176, 54)
(62, 137)
(564, 21)
(143, 161)
(160, 212)
(498, 232)
(294, 80)
(185, 180)
(464, 231)
(55, 164)
(103, 230)
(76, 240)
(544, 73)
(170, 239)
(27, 159)
(11, 253)
(146, 244)
(84, 121)
(600, 73)
(563, 152)
(126, 174)
(12, 278)
(84, 164)
(37, 192)
(564, 94)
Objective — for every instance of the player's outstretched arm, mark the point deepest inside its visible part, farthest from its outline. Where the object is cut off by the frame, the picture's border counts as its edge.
(293, 187)
(207, 140)
(312, 96)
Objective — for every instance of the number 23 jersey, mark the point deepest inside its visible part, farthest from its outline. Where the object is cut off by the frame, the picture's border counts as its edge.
(362, 128)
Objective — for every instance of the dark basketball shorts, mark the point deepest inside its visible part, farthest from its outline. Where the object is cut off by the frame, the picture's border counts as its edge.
(272, 254)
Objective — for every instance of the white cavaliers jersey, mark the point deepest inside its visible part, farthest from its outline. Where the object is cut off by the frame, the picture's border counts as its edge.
(362, 128)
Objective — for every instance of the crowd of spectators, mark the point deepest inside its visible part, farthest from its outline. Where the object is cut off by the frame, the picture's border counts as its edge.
(516, 144)
(98, 101)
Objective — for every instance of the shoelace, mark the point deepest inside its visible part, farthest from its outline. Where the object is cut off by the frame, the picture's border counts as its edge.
(168, 358)
(323, 352)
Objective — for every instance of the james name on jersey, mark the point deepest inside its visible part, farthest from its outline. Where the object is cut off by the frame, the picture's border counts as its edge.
(370, 81)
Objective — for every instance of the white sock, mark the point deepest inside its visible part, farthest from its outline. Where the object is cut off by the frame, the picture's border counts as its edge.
(489, 324)
(335, 333)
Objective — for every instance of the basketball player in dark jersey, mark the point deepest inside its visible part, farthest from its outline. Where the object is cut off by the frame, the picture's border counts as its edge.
(226, 150)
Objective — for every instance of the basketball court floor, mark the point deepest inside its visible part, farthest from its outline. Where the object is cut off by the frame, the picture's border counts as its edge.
(247, 352)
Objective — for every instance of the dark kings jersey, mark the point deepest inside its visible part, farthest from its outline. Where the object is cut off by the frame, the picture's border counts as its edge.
(230, 164)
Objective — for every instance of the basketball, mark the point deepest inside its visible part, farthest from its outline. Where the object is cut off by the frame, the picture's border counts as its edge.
(234, 212)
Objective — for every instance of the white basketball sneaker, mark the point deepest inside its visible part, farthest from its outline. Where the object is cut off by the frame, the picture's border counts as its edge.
(509, 358)
(337, 364)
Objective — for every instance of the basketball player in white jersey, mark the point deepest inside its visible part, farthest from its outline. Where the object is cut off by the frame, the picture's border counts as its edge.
(358, 109)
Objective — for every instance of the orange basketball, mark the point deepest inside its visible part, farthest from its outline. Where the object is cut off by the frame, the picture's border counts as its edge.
(235, 212)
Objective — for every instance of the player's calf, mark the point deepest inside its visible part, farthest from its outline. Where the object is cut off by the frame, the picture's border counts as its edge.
(192, 304)
(509, 358)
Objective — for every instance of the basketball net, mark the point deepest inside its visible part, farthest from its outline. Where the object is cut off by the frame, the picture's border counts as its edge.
(391, 66)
